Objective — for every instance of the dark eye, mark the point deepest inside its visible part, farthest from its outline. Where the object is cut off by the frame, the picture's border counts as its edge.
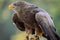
(14, 4)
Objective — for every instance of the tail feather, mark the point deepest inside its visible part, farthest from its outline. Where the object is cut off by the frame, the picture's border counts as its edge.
(57, 36)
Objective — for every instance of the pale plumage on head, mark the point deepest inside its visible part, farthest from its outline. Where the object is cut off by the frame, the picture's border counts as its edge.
(19, 4)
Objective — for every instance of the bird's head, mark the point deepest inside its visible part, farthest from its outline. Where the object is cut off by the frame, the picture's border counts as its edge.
(16, 6)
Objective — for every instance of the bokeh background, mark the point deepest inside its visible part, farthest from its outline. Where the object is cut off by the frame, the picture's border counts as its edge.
(9, 32)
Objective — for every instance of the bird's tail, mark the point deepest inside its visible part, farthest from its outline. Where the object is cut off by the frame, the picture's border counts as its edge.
(57, 36)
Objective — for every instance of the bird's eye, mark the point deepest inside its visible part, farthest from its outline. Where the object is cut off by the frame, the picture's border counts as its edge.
(14, 4)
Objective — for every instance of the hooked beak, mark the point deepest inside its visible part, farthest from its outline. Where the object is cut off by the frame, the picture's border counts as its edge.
(10, 7)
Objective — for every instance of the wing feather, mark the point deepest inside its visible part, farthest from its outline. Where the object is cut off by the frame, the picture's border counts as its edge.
(46, 24)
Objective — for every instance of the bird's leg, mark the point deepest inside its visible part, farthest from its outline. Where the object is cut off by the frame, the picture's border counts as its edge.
(38, 33)
(36, 36)
(27, 37)
(29, 34)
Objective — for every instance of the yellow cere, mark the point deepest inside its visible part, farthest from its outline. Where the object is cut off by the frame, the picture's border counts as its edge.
(10, 7)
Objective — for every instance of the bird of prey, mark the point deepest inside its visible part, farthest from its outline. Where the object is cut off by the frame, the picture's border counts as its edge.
(34, 20)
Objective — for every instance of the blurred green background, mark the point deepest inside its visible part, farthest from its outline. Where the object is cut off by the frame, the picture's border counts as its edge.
(7, 29)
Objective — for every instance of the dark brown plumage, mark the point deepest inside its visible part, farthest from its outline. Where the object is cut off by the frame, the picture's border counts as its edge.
(32, 19)
(19, 24)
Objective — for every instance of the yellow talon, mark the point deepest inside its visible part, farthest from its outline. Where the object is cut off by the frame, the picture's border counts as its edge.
(41, 35)
(33, 39)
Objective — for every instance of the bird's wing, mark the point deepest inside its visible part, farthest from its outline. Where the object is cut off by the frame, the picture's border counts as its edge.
(46, 24)
(18, 23)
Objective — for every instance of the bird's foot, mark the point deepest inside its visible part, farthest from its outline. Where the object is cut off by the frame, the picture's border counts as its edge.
(27, 38)
(36, 38)
(32, 39)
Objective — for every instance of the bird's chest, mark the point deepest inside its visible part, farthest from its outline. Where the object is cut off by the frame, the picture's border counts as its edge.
(28, 18)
